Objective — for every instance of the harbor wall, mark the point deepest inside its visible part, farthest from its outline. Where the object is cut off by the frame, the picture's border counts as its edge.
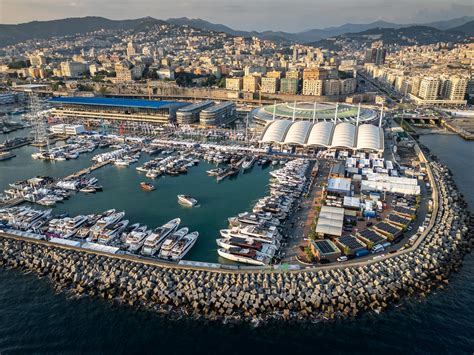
(331, 291)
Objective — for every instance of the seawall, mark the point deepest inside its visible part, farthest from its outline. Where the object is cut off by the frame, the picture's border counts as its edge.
(332, 291)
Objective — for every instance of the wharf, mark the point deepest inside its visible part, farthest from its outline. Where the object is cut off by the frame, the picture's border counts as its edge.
(87, 170)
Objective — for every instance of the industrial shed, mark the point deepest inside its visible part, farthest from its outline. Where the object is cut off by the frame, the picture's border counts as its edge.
(330, 221)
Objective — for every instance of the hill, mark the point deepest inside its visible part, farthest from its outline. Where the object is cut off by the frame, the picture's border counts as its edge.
(467, 28)
(10, 34)
(421, 35)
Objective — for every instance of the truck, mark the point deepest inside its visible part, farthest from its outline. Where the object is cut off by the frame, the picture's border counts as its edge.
(361, 252)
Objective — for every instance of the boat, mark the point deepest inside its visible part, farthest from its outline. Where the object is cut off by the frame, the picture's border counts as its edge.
(6, 155)
(88, 189)
(247, 243)
(121, 163)
(170, 242)
(183, 246)
(151, 174)
(153, 241)
(103, 222)
(112, 231)
(146, 186)
(248, 163)
(245, 256)
(186, 200)
(136, 238)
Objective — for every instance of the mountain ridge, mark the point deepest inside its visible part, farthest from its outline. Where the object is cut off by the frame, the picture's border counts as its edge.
(11, 34)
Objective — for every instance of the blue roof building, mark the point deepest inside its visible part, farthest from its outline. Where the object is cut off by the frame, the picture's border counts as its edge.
(116, 109)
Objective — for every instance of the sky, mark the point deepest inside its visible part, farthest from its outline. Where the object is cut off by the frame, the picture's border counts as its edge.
(285, 15)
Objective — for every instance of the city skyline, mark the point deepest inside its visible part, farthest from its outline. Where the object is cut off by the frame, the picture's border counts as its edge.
(259, 15)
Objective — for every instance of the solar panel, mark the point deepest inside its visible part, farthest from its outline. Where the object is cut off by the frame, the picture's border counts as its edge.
(388, 228)
(351, 242)
(372, 236)
(398, 219)
(325, 246)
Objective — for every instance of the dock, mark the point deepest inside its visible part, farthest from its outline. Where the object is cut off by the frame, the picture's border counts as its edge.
(86, 171)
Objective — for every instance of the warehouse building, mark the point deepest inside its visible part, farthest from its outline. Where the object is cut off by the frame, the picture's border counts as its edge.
(113, 109)
(325, 249)
(330, 221)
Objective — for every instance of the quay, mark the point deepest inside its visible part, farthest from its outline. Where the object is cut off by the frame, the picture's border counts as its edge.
(87, 170)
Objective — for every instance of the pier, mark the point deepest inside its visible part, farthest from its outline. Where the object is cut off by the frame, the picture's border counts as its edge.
(86, 171)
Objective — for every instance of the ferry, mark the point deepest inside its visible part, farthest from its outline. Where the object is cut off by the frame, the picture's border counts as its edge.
(187, 200)
(153, 241)
(245, 256)
(146, 186)
(170, 242)
(183, 246)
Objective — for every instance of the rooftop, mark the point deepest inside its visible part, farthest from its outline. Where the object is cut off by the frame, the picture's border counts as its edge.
(106, 101)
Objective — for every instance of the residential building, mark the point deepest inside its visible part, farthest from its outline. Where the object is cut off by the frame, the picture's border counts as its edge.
(251, 83)
(73, 69)
(270, 85)
(289, 86)
(234, 84)
(313, 87)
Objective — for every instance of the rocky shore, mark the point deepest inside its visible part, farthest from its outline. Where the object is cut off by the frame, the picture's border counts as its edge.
(329, 293)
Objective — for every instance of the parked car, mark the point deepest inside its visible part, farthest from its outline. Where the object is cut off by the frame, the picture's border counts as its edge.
(342, 258)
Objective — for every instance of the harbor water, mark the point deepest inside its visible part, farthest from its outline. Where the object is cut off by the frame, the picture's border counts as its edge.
(35, 319)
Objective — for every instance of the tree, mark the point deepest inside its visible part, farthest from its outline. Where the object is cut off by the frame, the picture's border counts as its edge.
(309, 254)
(346, 250)
(19, 64)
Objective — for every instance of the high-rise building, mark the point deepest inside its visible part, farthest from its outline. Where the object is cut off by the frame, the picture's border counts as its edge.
(429, 87)
(131, 51)
(313, 87)
(332, 87)
(251, 83)
(455, 88)
(270, 85)
(289, 86)
(375, 55)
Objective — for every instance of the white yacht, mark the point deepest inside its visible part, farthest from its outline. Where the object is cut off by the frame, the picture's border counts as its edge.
(136, 238)
(104, 222)
(187, 200)
(170, 242)
(183, 246)
(153, 241)
(247, 243)
(246, 256)
(112, 231)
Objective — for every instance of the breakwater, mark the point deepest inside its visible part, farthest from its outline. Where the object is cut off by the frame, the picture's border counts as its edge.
(333, 291)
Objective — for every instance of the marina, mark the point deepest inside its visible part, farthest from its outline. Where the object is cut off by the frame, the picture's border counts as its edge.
(120, 192)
